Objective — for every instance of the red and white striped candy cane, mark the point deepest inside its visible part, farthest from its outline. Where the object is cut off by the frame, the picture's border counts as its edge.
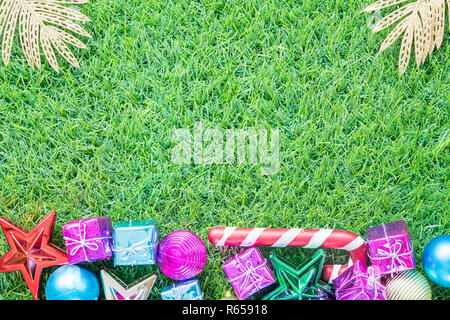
(306, 238)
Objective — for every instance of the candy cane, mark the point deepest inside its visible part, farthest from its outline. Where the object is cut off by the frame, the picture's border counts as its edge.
(306, 238)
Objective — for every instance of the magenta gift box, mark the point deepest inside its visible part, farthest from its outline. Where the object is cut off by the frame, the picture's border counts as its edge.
(390, 247)
(359, 282)
(88, 239)
(248, 273)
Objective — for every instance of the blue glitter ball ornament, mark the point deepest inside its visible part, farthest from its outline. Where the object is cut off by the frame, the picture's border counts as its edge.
(436, 260)
(72, 282)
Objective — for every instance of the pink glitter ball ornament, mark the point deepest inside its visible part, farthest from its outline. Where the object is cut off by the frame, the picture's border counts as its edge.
(181, 255)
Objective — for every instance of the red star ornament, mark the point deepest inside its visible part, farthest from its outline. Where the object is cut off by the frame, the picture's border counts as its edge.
(31, 251)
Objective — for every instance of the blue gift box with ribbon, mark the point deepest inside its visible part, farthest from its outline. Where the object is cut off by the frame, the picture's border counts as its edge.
(185, 290)
(135, 242)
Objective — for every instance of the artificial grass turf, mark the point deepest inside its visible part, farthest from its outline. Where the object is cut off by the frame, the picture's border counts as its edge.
(359, 145)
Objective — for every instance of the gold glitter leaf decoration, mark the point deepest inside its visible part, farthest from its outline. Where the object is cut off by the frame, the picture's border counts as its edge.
(421, 22)
(46, 24)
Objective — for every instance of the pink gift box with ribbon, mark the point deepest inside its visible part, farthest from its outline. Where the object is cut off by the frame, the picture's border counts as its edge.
(359, 282)
(88, 239)
(390, 247)
(248, 273)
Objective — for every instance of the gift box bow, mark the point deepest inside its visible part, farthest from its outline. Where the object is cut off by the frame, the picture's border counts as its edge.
(250, 275)
(82, 243)
(250, 278)
(188, 291)
(392, 251)
(371, 280)
(136, 248)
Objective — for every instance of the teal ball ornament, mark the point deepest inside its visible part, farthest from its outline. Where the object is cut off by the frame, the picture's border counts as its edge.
(436, 260)
(72, 282)
(408, 285)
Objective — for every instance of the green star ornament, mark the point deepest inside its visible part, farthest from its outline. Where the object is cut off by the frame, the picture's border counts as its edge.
(294, 280)
(322, 291)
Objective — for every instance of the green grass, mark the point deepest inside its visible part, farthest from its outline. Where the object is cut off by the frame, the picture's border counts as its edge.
(359, 144)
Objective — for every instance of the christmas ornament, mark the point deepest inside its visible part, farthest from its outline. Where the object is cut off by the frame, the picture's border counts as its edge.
(436, 260)
(421, 22)
(31, 251)
(135, 243)
(248, 273)
(72, 282)
(390, 247)
(88, 239)
(320, 291)
(359, 282)
(42, 24)
(408, 285)
(182, 255)
(115, 289)
(294, 281)
(229, 296)
(185, 290)
(306, 238)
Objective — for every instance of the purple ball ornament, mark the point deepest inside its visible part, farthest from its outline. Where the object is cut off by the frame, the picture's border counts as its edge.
(181, 255)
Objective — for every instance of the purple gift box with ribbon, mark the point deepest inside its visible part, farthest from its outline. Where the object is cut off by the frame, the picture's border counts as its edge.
(359, 282)
(390, 247)
(88, 239)
(248, 273)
